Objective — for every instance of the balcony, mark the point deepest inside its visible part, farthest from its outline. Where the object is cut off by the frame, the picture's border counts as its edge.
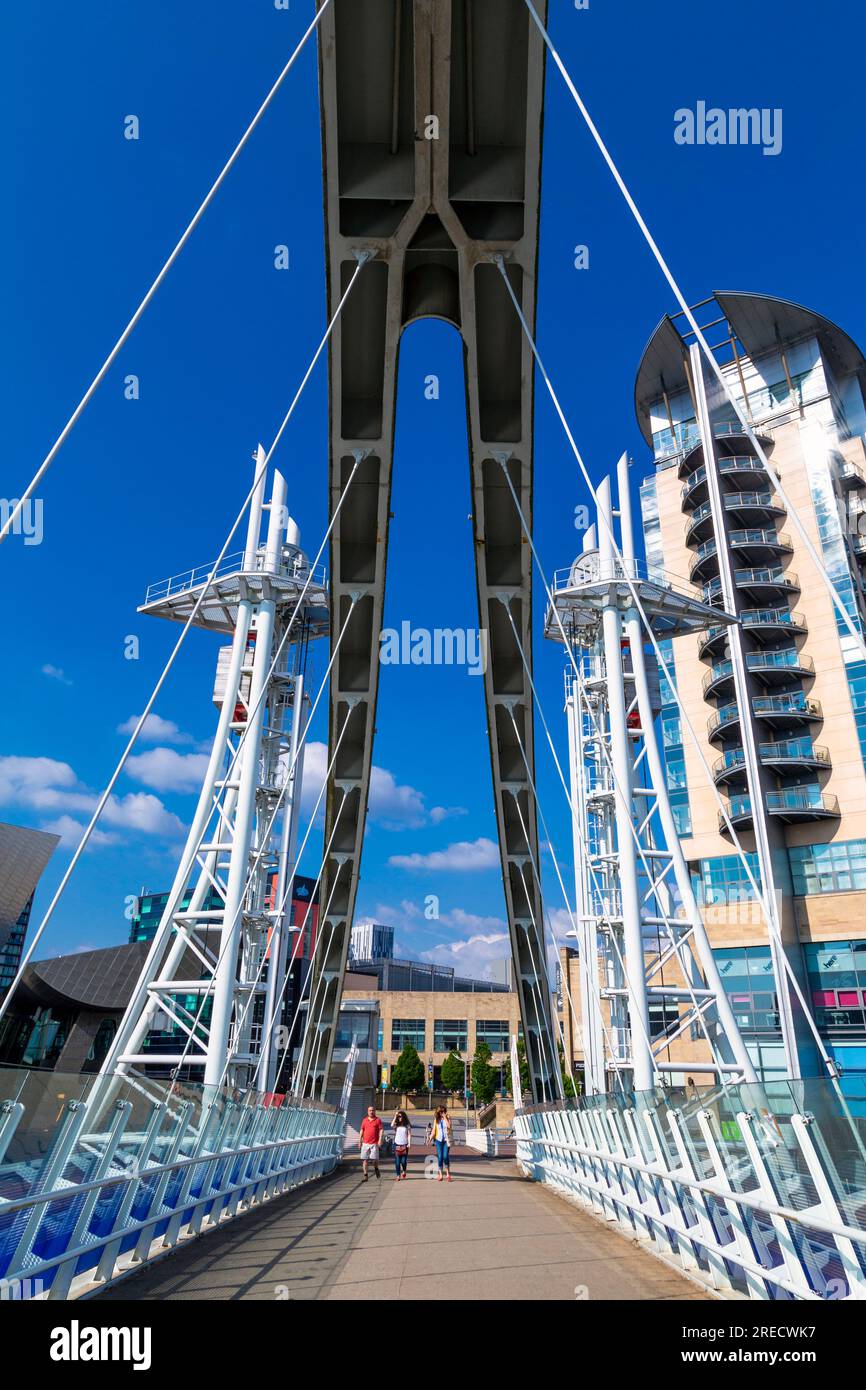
(770, 624)
(705, 562)
(850, 475)
(773, 623)
(759, 545)
(789, 755)
(758, 583)
(793, 804)
(725, 719)
(775, 668)
(793, 753)
(739, 468)
(719, 680)
(783, 710)
(790, 804)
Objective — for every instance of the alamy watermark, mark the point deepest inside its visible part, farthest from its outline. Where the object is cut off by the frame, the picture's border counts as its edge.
(713, 125)
(438, 646)
(28, 522)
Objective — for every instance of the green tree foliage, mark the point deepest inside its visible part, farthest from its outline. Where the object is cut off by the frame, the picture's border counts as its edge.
(408, 1070)
(452, 1072)
(484, 1077)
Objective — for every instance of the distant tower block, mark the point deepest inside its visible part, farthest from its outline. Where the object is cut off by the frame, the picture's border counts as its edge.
(206, 963)
(652, 1001)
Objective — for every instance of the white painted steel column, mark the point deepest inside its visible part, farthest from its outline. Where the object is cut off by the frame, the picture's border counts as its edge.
(620, 752)
(226, 972)
(281, 934)
(590, 1017)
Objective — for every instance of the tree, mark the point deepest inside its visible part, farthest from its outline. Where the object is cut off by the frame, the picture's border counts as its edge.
(452, 1073)
(483, 1075)
(567, 1083)
(523, 1067)
(408, 1071)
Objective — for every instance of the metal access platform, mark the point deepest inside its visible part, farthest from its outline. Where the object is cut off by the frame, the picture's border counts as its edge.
(228, 583)
(591, 583)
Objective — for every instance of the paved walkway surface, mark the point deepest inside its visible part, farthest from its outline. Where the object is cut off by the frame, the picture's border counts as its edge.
(489, 1234)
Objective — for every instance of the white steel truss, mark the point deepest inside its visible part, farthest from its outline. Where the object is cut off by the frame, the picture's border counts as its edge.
(644, 955)
(213, 979)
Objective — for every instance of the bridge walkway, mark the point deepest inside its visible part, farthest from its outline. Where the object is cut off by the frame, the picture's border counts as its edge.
(490, 1234)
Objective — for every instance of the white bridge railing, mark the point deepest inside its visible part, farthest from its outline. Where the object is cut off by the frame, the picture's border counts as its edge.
(755, 1190)
(95, 1179)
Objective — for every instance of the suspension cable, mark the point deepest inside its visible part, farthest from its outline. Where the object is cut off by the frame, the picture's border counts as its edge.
(853, 628)
(260, 473)
(12, 519)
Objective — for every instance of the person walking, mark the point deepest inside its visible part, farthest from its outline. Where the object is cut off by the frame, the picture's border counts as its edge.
(371, 1137)
(443, 1138)
(402, 1143)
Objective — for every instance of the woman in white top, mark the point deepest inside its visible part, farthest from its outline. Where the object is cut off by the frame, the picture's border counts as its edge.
(402, 1143)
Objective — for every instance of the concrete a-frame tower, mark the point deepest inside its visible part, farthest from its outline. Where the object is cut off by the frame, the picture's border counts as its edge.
(431, 121)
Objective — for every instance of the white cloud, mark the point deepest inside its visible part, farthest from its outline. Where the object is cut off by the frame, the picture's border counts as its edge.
(473, 955)
(166, 770)
(47, 785)
(393, 806)
(56, 673)
(70, 831)
(440, 813)
(465, 856)
(155, 730)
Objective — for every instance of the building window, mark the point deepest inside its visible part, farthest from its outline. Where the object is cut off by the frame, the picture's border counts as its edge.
(747, 976)
(833, 868)
(837, 982)
(450, 1035)
(407, 1032)
(724, 879)
(495, 1032)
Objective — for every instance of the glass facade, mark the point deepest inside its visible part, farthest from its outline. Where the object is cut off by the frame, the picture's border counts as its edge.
(723, 879)
(747, 975)
(837, 980)
(407, 1032)
(832, 868)
(450, 1035)
(12, 947)
(494, 1032)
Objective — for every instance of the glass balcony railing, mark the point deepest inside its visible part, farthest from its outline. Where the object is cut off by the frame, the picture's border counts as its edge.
(720, 671)
(792, 750)
(725, 714)
(745, 578)
(795, 704)
(758, 536)
(802, 799)
(787, 660)
(772, 617)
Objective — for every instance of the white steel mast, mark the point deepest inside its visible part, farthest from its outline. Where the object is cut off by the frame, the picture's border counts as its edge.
(214, 975)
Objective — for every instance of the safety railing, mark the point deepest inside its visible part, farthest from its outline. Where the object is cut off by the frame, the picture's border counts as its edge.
(757, 1190)
(99, 1175)
(294, 565)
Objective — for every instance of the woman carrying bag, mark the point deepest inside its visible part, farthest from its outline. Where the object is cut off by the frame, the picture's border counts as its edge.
(402, 1142)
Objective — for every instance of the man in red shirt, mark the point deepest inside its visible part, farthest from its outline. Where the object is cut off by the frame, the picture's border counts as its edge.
(371, 1135)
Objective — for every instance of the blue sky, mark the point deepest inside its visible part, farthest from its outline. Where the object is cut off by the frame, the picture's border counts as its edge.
(147, 488)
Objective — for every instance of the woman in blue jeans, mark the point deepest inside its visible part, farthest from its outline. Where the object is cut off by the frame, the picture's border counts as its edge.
(402, 1141)
(442, 1139)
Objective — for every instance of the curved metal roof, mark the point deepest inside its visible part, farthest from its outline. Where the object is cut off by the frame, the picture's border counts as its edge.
(756, 319)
